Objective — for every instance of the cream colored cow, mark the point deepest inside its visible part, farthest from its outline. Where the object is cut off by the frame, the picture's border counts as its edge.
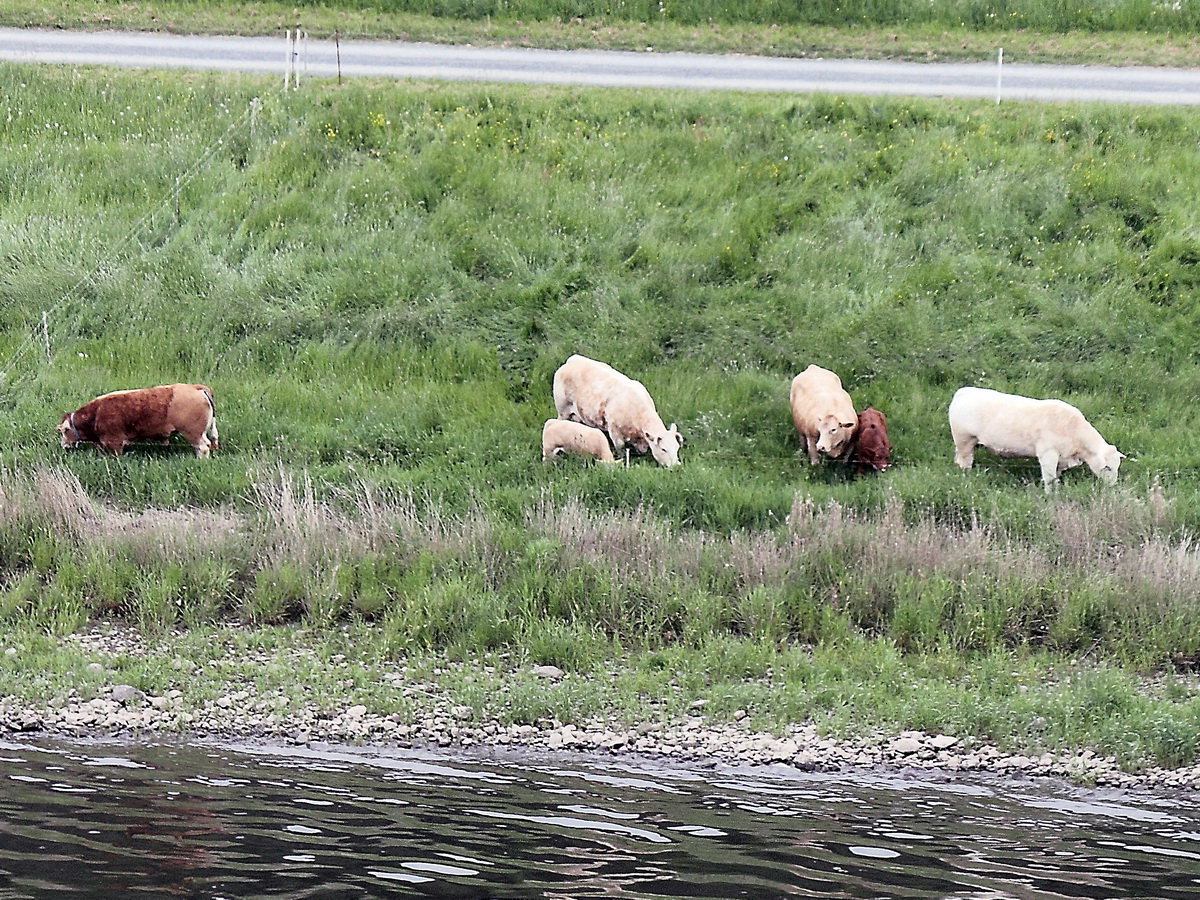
(823, 413)
(596, 394)
(1054, 432)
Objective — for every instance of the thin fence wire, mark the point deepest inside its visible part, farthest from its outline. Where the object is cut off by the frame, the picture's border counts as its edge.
(37, 332)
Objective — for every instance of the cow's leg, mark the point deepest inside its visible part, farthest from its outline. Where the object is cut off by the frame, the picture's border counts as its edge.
(814, 457)
(964, 451)
(202, 446)
(1049, 461)
(214, 441)
(113, 445)
(197, 439)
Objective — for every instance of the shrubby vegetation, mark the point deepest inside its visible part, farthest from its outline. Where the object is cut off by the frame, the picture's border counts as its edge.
(378, 281)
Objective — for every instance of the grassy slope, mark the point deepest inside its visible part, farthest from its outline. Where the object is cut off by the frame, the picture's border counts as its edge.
(378, 280)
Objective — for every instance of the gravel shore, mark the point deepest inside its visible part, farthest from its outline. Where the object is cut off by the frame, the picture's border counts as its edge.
(122, 709)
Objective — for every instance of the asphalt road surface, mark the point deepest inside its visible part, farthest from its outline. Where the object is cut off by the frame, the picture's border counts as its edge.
(396, 59)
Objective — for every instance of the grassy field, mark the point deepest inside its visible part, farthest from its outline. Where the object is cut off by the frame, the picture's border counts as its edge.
(1115, 32)
(378, 280)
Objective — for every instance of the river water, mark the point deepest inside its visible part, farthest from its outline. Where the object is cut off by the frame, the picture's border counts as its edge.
(119, 820)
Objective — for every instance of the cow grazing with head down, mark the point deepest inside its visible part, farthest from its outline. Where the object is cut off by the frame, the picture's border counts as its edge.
(560, 437)
(596, 394)
(870, 448)
(1054, 432)
(113, 421)
(823, 413)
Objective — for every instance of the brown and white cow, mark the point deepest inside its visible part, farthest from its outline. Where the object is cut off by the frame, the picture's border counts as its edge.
(596, 394)
(115, 420)
(1054, 432)
(823, 413)
(560, 437)
(870, 448)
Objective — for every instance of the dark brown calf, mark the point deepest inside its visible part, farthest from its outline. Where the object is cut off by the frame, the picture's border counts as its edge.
(871, 449)
(116, 420)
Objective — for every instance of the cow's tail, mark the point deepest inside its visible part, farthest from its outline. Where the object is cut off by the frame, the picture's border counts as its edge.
(211, 429)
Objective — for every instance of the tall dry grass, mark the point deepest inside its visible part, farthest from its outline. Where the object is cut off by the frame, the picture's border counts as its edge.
(1111, 575)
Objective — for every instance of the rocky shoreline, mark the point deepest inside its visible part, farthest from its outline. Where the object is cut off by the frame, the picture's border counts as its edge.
(126, 711)
(123, 710)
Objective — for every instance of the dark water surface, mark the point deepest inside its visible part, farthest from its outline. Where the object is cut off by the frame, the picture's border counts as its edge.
(117, 820)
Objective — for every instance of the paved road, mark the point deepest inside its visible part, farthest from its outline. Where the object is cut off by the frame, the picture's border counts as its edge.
(320, 58)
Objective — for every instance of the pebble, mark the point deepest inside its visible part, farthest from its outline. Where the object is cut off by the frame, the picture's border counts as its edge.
(126, 693)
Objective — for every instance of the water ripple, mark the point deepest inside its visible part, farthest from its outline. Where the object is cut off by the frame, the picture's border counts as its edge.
(95, 818)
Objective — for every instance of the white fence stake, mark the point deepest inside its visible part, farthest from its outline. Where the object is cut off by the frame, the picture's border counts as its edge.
(297, 58)
(999, 70)
(46, 333)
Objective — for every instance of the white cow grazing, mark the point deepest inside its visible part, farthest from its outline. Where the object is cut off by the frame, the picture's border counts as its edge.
(1054, 432)
(823, 412)
(596, 394)
(560, 436)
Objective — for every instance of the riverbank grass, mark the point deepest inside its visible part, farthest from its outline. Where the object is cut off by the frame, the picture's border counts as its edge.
(859, 624)
(855, 690)
(379, 280)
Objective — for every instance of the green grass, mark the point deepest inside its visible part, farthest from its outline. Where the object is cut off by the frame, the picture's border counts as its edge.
(855, 688)
(378, 280)
(1130, 32)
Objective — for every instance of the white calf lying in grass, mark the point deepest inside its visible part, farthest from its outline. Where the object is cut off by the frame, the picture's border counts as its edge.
(560, 436)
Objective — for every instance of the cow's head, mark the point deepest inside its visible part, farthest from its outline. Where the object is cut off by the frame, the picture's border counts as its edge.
(835, 437)
(68, 435)
(1107, 463)
(664, 446)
